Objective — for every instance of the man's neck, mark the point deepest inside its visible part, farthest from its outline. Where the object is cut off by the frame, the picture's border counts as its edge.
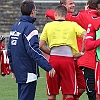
(60, 18)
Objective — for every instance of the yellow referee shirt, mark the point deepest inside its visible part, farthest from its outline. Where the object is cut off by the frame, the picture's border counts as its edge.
(61, 33)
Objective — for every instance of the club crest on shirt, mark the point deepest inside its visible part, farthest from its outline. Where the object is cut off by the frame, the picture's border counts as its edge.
(89, 25)
(88, 30)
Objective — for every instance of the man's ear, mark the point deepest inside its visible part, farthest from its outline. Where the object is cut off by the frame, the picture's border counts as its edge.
(86, 6)
(55, 14)
(32, 12)
(63, 5)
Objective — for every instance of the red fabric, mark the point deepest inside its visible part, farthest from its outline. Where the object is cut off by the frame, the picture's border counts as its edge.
(79, 77)
(69, 99)
(83, 18)
(63, 97)
(50, 13)
(90, 43)
(5, 67)
(79, 42)
(88, 60)
(98, 79)
(76, 97)
(64, 77)
(51, 99)
(98, 98)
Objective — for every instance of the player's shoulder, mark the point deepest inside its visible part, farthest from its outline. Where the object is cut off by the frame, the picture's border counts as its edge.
(72, 23)
(78, 13)
(49, 23)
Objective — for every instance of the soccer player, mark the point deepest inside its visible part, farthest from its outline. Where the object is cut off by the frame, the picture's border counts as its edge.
(24, 53)
(87, 61)
(93, 42)
(70, 5)
(60, 35)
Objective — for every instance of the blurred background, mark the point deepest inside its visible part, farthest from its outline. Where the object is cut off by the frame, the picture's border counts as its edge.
(10, 13)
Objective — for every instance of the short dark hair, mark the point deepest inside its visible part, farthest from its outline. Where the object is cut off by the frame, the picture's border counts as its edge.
(98, 2)
(61, 10)
(92, 4)
(62, 1)
(27, 7)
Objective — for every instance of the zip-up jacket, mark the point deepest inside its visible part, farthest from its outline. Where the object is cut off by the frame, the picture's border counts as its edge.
(23, 50)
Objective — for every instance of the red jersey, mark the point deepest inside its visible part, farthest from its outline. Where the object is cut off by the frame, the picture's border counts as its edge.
(91, 42)
(83, 18)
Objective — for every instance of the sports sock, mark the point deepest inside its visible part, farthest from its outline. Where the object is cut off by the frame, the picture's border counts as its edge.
(63, 97)
(98, 97)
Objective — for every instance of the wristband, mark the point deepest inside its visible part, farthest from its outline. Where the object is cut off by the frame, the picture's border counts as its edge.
(82, 53)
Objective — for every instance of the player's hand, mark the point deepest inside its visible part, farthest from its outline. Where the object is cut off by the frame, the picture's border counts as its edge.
(77, 55)
(46, 16)
(52, 72)
(13, 76)
(86, 6)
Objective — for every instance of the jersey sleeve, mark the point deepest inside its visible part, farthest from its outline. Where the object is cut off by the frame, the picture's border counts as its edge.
(75, 18)
(43, 35)
(79, 30)
(50, 14)
(91, 42)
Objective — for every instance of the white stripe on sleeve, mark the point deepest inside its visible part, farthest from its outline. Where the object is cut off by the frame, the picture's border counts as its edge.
(34, 32)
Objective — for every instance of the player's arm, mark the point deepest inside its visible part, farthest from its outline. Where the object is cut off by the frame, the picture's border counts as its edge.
(91, 43)
(43, 40)
(73, 17)
(83, 41)
(77, 55)
(43, 47)
(82, 33)
(50, 14)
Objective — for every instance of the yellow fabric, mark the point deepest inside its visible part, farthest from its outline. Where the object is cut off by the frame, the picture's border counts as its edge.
(59, 33)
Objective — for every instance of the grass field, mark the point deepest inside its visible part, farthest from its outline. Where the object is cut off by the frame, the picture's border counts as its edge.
(8, 88)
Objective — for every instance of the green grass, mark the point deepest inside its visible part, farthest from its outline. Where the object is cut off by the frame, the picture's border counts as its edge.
(8, 88)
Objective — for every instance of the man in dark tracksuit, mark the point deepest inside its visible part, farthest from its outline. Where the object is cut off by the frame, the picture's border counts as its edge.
(24, 53)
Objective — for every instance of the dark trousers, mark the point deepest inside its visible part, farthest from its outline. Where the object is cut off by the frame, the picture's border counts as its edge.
(89, 76)
(26, 91)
